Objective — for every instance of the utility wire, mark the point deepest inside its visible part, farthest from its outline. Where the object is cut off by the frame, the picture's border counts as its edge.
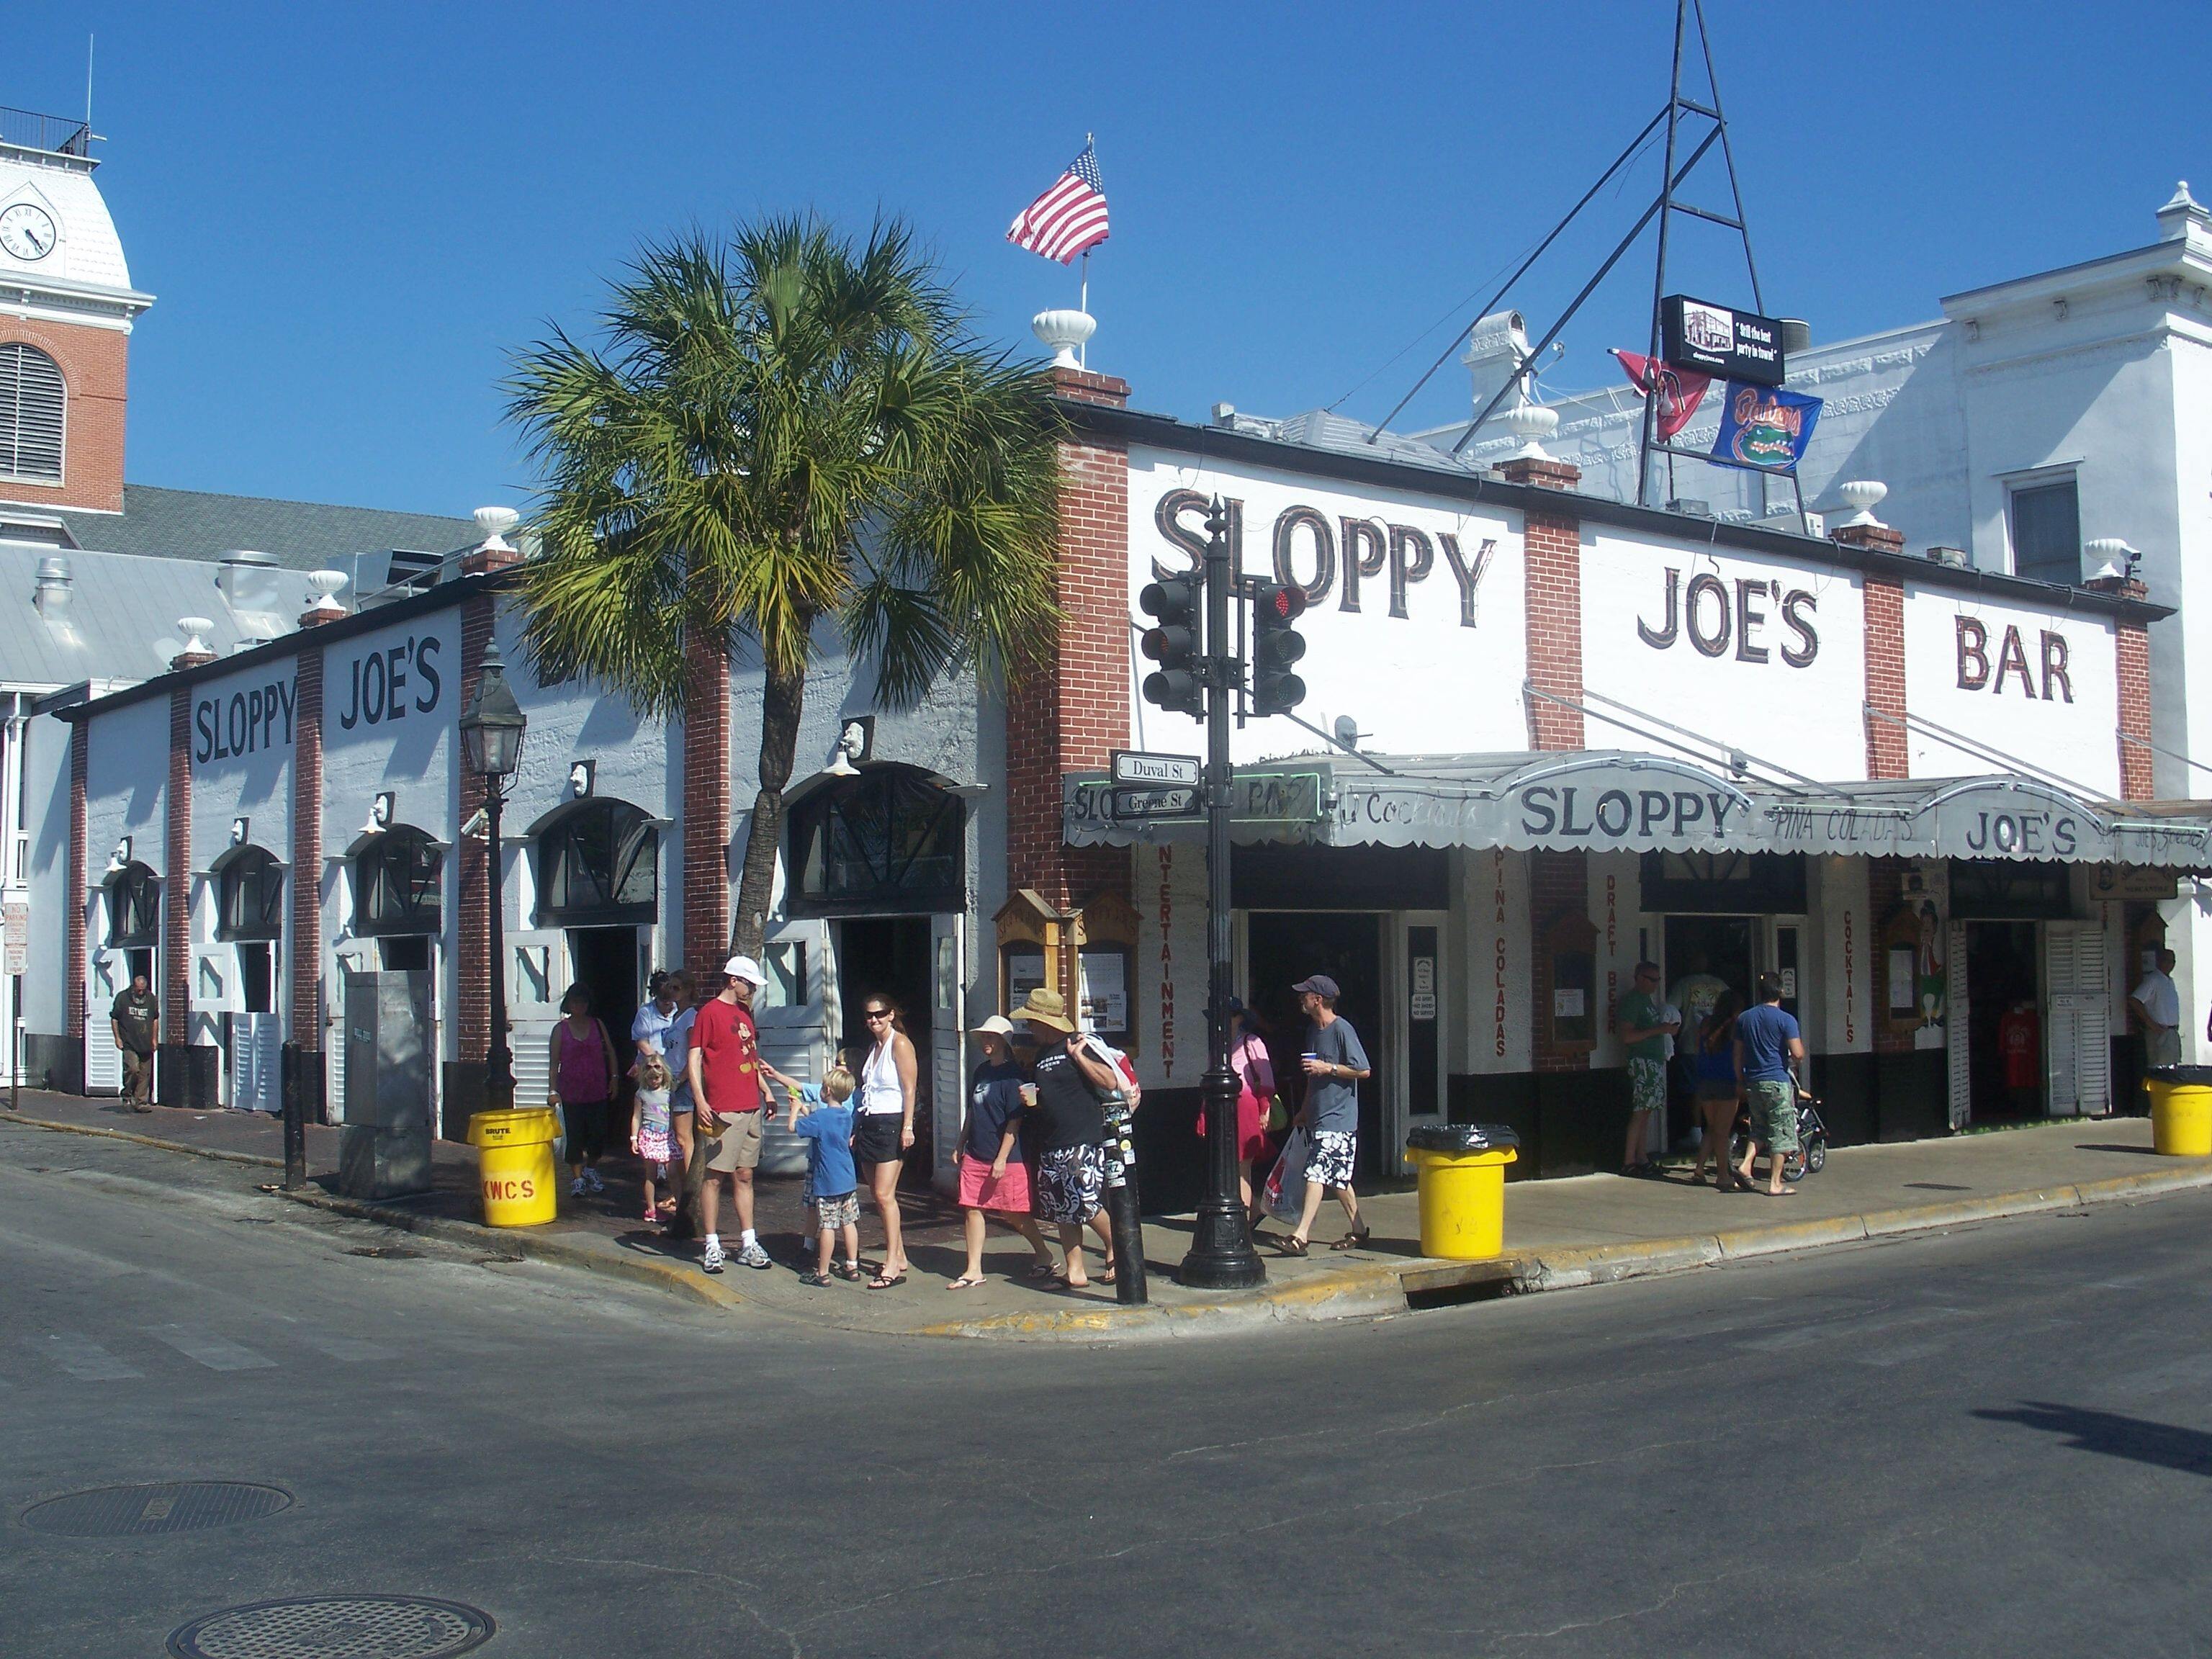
(1635, 147)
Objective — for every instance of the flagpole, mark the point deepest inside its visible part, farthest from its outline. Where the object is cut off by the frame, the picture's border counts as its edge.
(1083, 305)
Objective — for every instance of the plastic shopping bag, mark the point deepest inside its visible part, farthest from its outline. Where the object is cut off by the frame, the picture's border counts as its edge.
(1287, 1185)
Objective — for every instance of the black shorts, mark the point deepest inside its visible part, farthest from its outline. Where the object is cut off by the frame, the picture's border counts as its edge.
(876, 1138)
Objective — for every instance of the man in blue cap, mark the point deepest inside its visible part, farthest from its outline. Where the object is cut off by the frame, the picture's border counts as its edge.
(1334, 1065)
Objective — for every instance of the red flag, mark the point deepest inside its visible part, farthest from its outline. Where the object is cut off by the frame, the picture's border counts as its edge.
(1680, 390)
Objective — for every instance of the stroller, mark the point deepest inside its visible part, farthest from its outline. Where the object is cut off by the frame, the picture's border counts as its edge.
(1812, 1154)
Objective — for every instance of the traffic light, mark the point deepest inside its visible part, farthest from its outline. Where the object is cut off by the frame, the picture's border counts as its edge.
(1276, 644)
(1173, 602)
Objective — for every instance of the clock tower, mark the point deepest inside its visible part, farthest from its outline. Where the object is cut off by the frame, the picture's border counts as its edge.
(66, 312)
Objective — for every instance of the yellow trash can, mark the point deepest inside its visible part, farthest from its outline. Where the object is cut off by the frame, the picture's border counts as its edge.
(1461, 1170)
(515, 1159)
(2181, 1110)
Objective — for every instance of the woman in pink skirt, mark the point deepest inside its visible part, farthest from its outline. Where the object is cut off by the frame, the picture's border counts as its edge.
(1256, 1088)
(994, 1180)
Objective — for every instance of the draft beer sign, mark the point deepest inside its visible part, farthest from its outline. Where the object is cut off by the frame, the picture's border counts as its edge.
(1709, 339)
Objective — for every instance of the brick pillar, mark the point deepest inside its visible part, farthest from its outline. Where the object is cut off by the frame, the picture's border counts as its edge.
(1887, 756)
(308, 854)
(1558, 885)
(177, 879)
(73, 882)
(1068, 703)
(472, 989)
(706, 812)
(2131, 640)
(1554, 544)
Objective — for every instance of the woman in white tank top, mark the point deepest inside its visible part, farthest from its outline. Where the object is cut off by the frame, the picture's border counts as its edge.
(883, 1125)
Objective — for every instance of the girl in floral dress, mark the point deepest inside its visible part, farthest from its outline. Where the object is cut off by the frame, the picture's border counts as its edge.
(649, 1134)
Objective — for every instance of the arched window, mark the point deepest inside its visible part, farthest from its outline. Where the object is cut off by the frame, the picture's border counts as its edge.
(598, 865)
(31, 402)
(134, 909)
(396, 885)
(888, 840)
(250, 895)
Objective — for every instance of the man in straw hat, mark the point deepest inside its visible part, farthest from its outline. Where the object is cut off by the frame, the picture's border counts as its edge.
(1071, 1170)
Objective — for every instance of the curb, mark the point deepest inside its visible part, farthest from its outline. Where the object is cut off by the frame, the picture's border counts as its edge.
(1367, 1290)
(104, 1133)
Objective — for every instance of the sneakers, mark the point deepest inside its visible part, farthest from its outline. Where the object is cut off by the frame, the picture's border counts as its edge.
(576, 1186)
(753, 1256)
(711, 1262)
(592, 1182)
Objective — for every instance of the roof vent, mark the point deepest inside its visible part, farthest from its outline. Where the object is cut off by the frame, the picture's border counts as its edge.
(1796, 336)
(247, 580)
(54, 585)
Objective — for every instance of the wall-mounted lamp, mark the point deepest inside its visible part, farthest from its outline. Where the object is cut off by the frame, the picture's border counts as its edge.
(381, 808)
(856, 742)
(582, 776)
(237, 828)
(120, 858)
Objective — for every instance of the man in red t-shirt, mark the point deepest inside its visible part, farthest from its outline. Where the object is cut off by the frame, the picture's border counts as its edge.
(2019, 1041)
(726, 1070)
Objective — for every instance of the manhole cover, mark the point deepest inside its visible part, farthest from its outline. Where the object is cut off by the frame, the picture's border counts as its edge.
(335, 1627)
(139, 1511)
(387, 1252)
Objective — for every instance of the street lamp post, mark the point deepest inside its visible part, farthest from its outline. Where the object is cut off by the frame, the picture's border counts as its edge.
(491, 747)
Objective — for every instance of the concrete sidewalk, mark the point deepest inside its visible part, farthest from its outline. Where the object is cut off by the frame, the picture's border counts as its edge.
(1559, 1234)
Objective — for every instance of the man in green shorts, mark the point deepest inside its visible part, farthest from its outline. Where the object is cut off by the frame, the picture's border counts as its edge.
(1770, 1058)
(1644, 1027)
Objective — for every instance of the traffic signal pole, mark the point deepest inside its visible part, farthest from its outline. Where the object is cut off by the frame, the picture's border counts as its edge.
(1221, 1254)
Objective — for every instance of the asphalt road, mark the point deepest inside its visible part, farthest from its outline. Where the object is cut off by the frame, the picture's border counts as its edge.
(1992, 1441)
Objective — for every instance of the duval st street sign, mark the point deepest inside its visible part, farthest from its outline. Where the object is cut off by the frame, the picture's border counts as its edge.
(1258, 798)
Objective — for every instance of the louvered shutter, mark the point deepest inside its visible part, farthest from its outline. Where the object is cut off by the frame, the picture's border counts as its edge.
(2076, 969)
(32, 402)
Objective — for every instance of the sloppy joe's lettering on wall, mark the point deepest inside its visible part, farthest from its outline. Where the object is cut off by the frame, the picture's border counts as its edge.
(392, 683)
(233, 722)
(1415, 623)
(2011, 680)
(1767, 654)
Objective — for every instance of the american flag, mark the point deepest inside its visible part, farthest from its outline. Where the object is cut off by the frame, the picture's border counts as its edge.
(1068, 219)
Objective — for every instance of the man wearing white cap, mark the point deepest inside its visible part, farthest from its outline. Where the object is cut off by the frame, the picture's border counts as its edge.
(726, 1069)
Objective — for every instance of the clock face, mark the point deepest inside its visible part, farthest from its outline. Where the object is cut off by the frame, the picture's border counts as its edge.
(27, 231)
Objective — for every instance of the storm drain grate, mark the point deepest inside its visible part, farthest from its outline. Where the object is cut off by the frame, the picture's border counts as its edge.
(335, 1627)
(140, 1511)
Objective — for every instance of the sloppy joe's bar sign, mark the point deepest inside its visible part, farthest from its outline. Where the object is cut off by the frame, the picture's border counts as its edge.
(233, 721)
(1416, 604)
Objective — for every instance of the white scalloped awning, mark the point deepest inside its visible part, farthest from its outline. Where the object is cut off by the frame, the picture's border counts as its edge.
(1613, 800)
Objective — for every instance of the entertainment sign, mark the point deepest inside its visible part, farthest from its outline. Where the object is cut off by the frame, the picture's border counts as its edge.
(1709, 339)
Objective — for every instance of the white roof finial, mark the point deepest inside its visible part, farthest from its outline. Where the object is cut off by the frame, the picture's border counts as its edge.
(2182, 210)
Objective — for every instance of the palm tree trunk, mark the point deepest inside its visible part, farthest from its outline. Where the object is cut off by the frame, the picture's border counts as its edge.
(785, 696)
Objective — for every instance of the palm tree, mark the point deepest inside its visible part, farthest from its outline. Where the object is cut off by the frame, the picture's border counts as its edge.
(779, 430)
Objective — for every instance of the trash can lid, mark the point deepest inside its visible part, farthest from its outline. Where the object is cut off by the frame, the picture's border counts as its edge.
(2185, 1075)
(1460, 1137)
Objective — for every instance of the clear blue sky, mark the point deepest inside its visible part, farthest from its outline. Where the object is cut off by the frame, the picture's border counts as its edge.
(353, 213)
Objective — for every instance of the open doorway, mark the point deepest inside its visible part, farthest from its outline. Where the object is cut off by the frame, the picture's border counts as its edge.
(1284, 946)
(889, 957)
(604, 960)
(2004, 1033)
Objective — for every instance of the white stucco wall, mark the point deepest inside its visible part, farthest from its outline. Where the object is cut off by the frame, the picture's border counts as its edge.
(1695, 664)
(2024, 713)
(241, 731)
(1445, 677)
(127, 787)
(46, 804)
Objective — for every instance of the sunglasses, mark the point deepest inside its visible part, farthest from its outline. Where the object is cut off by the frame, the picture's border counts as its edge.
(875, 1013)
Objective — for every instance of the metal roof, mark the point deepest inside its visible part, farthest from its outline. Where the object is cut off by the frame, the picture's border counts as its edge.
(198, 525)
(120, 620)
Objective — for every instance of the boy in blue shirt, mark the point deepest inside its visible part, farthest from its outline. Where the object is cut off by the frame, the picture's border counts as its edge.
(830, 1177)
